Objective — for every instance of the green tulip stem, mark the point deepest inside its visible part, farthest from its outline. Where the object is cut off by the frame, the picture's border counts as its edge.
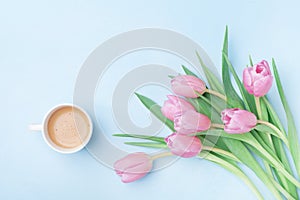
(161, 155)
(259, 113)
(220, 126)
(278, 132)
(233, 168)
(258, 108)
(207, 148)
(217, 94)
(221, 152)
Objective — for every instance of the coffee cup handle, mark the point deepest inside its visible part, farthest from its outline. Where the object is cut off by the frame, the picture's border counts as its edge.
(35, 127)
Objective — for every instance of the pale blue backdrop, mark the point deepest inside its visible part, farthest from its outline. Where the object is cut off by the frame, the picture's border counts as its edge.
(42, 47)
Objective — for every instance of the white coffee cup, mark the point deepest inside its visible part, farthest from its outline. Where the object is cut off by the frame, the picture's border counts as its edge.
(70, 119)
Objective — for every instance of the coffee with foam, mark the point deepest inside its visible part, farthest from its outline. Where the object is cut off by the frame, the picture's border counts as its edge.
(68, 127)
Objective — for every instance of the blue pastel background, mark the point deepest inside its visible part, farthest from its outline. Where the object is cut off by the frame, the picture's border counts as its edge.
(42, 47)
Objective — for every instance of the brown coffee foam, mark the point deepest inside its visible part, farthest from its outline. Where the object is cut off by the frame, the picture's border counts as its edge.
(68, 127)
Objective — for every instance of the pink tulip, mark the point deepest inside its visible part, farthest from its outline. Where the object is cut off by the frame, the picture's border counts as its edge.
(175, 105)
(133, 166)
(258, 79)
(183, 145)
(191, 122)
(238, 121)
(188, 86)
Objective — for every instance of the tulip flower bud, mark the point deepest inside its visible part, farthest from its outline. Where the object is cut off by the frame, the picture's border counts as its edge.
(258, 79)
(191, 122)
(183, 145)
(133, 166)
(188, 86)
(175, 105)
(237, 121)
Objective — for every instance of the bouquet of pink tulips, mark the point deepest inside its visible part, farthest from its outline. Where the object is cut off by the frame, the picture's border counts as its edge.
(215, 122)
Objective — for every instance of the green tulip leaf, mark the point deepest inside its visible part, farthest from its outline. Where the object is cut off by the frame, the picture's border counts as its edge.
(266, 129)
(274, 119)
(201, 107)
(145, 137)
(188, 72)
(242, 153)
(292, 131)
(235, 169)
(156, 110)
(212, 79)
(248, 99)
(273, 115)
(250, 60)
(148, 144)
(233, 99)
(263, 151)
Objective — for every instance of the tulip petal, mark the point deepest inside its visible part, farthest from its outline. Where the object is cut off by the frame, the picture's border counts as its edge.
(184, 146)
(262, 86)
(174, 105)
(133, 166)
(188, 86)
(191, 122)
(183, 90)
(168, 110)
(247, 80)
(258, 79)
(247, 118)
(237, 121)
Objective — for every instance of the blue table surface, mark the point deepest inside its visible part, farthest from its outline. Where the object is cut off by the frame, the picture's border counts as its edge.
(42, 47)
